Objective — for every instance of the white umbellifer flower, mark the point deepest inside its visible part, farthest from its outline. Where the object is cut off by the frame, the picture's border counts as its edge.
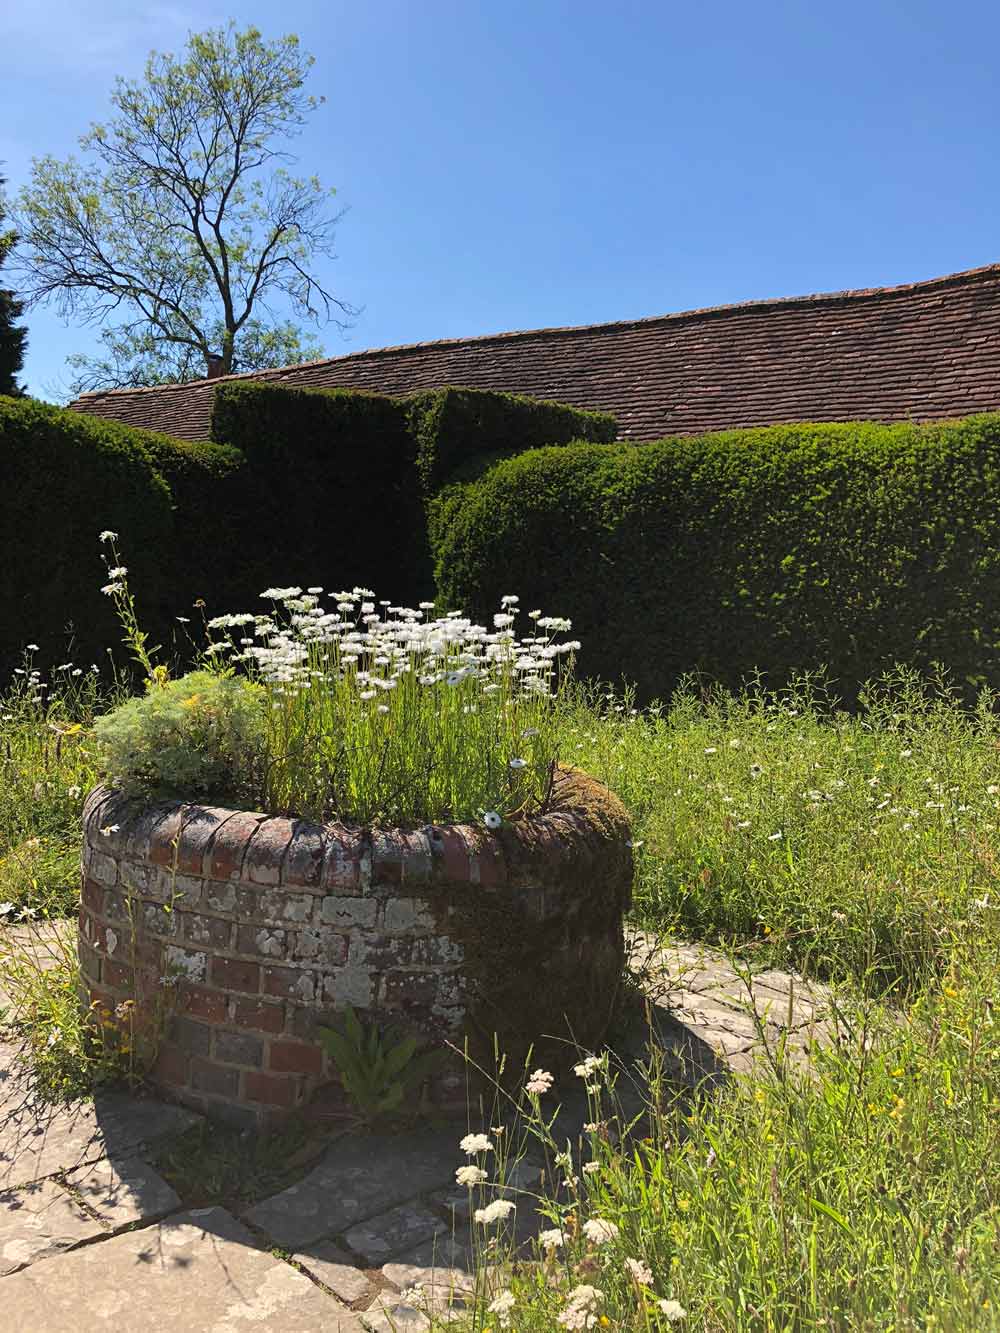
(475, 1143)
(552, 1240)
(541, 1080)
(711, 749)
(502, 619)
(32, 648)
(591, 1168)
(108, 536)
(581, 1304)
(673, 1310)
(73, 791)
(501, 1306)
(518, 763)
(905, 754)
(383, 708)
(470, 1175)
(511, 599)
(492, 819)
(587, 1067)
(599, 1231)
(640, 1271)
(494, 1212)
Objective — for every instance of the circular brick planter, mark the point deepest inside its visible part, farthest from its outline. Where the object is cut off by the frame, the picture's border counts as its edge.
(257, 928)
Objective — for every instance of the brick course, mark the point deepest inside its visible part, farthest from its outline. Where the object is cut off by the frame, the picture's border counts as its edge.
(264, 927)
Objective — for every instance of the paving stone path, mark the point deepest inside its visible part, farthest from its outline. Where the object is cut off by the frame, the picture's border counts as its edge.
(92, 1239)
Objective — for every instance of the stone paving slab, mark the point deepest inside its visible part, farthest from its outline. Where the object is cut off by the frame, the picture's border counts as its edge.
(38, 1140)
(123, 1193)
(196, 1271)
(393, 1232)
(358, 1178)
(41, 1221)
(335, 1268)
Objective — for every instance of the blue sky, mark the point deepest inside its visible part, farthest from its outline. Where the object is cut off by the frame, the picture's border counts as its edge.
(514, 165)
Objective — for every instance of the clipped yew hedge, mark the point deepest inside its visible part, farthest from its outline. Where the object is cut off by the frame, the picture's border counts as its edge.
(66, 477)
(855, 546)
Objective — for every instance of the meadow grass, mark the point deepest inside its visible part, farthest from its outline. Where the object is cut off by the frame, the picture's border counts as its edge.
(862, 1192)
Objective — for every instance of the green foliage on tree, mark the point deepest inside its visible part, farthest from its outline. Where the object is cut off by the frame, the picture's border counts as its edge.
(12, 338)
(185, 219)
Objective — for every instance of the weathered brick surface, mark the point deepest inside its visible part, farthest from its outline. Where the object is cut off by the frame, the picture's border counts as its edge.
(268, 927)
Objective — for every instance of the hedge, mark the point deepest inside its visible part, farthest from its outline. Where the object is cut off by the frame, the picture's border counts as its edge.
(452, 427)
(855, 546)
(67, 477)
(342, 478)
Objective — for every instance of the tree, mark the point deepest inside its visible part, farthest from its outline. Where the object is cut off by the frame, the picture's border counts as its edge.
(186, 221)
(12, 339)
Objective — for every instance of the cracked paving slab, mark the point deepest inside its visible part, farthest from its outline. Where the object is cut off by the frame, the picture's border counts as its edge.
(357, 1179)
(39, 1140)
(198, 1270)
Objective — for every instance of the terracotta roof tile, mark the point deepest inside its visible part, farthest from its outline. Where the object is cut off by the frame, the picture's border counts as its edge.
(920, 351)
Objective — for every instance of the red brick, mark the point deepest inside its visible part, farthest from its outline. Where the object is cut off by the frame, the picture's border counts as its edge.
(210, 1005)
(93, 896)
(342, 862)
(266, 851)
(165, 838)
(293, 1057)
(171, 1066)
(216, 1079)
(456, 855)
(289, 982)
(200, 827)
(234, 974)
(116, 974)
(225, 856)
(304, 859)
(263, 1015)
(272, 1089)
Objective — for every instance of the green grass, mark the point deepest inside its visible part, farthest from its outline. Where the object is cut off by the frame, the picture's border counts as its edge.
(862, 1193)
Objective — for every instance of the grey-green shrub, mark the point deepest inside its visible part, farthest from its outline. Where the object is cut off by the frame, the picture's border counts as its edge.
(196, 737)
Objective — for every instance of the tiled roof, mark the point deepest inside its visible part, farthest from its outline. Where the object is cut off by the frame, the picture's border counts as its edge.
(921, 351)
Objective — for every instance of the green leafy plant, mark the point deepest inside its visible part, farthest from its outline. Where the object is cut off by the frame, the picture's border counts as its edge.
(381, 1068)
(195, 737)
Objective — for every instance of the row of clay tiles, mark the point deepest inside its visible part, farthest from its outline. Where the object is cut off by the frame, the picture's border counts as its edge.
(929, 350)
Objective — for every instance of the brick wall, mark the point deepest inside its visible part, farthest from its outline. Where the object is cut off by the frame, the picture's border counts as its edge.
(250, 930)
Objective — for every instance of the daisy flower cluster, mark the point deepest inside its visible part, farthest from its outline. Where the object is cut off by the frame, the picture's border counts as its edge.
(378, 712)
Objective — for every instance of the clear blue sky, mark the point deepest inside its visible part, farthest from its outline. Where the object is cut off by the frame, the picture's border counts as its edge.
(509, 164)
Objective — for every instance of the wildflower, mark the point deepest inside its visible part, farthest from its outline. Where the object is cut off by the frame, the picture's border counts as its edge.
(640, 1271)
(74, 792)
(992, 789)
(773, 837)
(599, 1231)
(711, 749)
(108, 536)
(591, 1168)
(501, 1306)
(587, 1067)
(905, 754)
(552, 1240)
(110, 589)
(673, 1310)
(839, 917)
(580, 1308)
(33, 648)
(475, 1143)
(494, 1212)
(470, 1175)
(755, 770)
(501, 620)
(518, 763)
(6, 908)
(492, 820)
(539, 1083)
(118, 573)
